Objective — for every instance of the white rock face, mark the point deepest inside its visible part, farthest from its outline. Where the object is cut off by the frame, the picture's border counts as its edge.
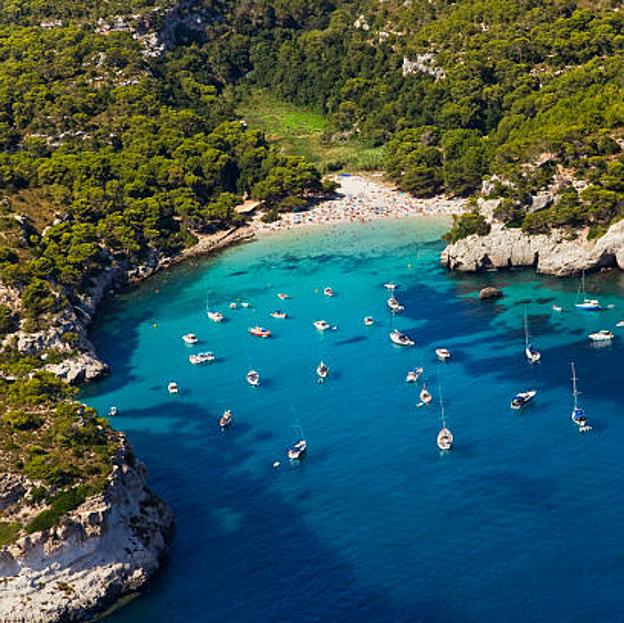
(109, 546)
(551, 254)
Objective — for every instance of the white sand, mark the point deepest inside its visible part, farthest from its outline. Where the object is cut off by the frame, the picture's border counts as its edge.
(363, 199)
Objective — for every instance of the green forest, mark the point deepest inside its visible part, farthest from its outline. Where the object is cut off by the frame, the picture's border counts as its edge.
(127, 128)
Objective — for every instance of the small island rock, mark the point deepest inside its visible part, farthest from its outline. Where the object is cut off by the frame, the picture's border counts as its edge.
(490, 292)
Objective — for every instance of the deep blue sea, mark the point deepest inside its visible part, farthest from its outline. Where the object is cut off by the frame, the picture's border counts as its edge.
(521, 522)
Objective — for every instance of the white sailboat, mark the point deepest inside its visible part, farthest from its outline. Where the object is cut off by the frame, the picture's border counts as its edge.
(322, 371)
(586, 304)
(578, 414)
(532, 354)
(445, 437)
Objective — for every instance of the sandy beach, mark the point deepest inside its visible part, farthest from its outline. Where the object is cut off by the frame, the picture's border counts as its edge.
(360, 199)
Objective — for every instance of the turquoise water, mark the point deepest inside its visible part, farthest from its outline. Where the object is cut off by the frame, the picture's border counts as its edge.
(521, 521)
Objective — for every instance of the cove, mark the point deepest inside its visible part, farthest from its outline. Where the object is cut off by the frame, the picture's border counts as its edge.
(521, 521)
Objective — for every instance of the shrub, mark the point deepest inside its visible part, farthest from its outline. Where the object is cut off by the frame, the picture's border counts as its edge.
(465, 225)
(21, 420)
(8, 532)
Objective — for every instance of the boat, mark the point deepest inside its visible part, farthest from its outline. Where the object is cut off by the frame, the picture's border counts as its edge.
(445, 437)
(443, 354)
(253, 378)
(245, 304)
(578, 414)
(200, 358)
(586, 304)
(532, 354)
(172, 388)
(425, 396)
(522, 399)
(400, 339)
(322, 371)
(390, 285)
(190, 338)
(215, 316)
(113, 411)
(226, 419)
(233, 305)
(298, 450)
(328, 292)
(260, 331)
(282, 297)
(603, 335)
(620, 324)
(413, 375)
(369, 321)
(280, 315)
(394, 306)
(557, 308)
(321, 325)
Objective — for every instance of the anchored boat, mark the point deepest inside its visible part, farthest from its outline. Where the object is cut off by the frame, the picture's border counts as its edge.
(260, 332)
(200, 358)
(400, 339)
(298, 450)
(578, 414)
(532, 354)
(190, 338)
(522, 399)
(226, 419)
(586, 304)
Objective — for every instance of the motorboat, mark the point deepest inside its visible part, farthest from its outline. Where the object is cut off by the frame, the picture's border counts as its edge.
(245, 304)
(233, 305)
(260, 332)
(394, 306)
(532, 354)
(603, 335)
(215, 316)
(190, 338)
(298, 450)
(226, 419)
(322, 371)
(321, 325)
(442, 354)
(445, 439)
(557, 308)
(522, 399)
(400, 339)
(172, 388)
(578, 414)
(620, 324)
(280, 315)
(369, 321)
(413, 375)
(586, 304)
(425, 396)
(328, 292)
(253, 378)
(200, 358)
(282, 296)
(390, 285)
(113, 411)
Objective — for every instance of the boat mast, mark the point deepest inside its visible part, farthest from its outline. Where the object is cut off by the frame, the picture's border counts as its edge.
(574, 389)
(526, 328)
(441, 401)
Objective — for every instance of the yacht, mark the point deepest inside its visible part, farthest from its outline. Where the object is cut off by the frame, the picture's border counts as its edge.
(400, 339)
(394, 306)
(200, 358)
(321, 325)
(298, 450)
(586, 304)
(578, 414)
(369, 321)
(328, 292)
(522, 399)
(442, 354)
(226, 419)
(172, 388)
(253, 378)
(603, 335)
(413, 375)
(445, 437)
(113, 411)
(280, 315)
(190, 338)
(215, 316)
(532, 354)
(322, 371)
(260, 332)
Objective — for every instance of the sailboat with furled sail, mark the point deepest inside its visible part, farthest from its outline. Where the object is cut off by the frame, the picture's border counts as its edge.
(532, 354)
(586, 304)
(445, 437)
(578, 414)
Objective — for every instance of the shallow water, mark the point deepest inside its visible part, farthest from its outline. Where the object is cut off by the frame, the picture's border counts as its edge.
(522, 520)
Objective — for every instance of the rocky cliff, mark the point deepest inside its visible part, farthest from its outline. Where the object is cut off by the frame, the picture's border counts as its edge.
(109, 546)
(553, 254)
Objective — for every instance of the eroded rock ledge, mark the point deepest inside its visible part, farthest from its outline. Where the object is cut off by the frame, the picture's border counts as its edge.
(109, 546)
(552, 254)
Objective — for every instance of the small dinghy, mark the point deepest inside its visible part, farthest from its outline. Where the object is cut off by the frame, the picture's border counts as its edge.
(578, 414)
(190, 338)
(321, 325)
(557, 308)
(260, 332)
(601, 336)
(425, 396)
(253, 378)
(113, 411)
(522, 399)
(202, 358)
(369, 321)
(279, 315)
(245, 304)
(394, 306)
(390, 285)
(413, 375)
(215, 316)
(328, 292)
(322, 371)
(233, 305)
(400, 339)
(282, 296)
(298, 450)
(226, 419)
(172, 388)
(442, 354)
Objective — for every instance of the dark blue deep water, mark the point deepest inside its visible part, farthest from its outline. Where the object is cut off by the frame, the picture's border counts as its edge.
(521, 522)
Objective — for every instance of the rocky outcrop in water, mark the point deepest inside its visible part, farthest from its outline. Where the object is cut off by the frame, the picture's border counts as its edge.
(108, 547)
(490, 292)
(554, 254)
